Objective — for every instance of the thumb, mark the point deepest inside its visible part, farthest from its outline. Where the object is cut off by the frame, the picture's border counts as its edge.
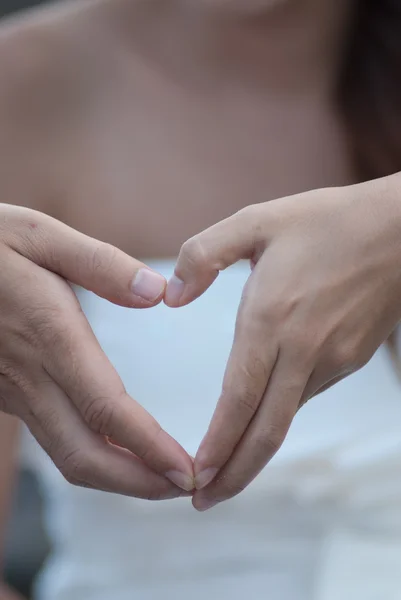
(94, 265)
(203, 256)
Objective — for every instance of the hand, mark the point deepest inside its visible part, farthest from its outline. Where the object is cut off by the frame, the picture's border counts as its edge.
(53, 373)
(324, 293)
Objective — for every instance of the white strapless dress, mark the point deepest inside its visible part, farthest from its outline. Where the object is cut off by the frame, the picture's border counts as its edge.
(322, 522)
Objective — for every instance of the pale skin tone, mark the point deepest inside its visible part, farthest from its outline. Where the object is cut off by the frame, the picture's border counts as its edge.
(324, 314)
(124, 116)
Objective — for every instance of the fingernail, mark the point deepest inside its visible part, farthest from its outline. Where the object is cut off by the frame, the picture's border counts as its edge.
(174, 291)
(185, 482)
(148, 285)
(203, 504)
(205, 477)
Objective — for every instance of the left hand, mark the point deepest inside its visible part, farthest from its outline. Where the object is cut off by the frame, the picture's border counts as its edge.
(324, 293)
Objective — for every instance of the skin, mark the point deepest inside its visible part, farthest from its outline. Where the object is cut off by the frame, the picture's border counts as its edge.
(192, 95)
(138, 111)
(306, 320)
(74, 409)
(89, 124)
(306, 350)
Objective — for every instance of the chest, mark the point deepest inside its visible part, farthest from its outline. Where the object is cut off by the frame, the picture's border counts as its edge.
(156, 163)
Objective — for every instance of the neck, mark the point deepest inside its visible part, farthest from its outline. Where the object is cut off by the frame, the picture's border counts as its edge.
(289, 46)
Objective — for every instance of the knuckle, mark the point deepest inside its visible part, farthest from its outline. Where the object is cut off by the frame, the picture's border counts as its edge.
(248, 399)
(248, 214)
(12, 373)
(273, 309)
(298, 332)
(149, 449)
(69, 465)
(15, 388)
(194, 253)
(250, 218)
(296, 335)
(268, 441)
(104, 258)
(250, 210)
(227, 487)
(99, 414)
(255, 367)
(258, 315)
(25, 232)
(44, 326)
(243, 397)
(302, 343)
(347, 357)
(56, 444)
(255, 323)
(77, 468)
(46, 333)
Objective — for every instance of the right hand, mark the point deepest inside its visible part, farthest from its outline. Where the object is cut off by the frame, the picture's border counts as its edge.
(322, 297)
(53, 373)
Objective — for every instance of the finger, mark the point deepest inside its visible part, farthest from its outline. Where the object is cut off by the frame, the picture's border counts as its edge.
(264, 436)
(202, 257)
(94, 265)
(82, 370)
(248, 371)
(87, 459)
(56, 334)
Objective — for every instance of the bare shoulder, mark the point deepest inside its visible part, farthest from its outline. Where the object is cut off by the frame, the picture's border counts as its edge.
(46, 81)
(45, 59)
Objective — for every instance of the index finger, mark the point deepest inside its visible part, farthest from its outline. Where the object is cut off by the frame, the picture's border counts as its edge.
(265, 434)
(250, 364)
(203, 256)
(82, 370)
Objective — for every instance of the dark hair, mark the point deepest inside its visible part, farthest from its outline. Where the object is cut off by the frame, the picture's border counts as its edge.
(369, 90)
(369, 95)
